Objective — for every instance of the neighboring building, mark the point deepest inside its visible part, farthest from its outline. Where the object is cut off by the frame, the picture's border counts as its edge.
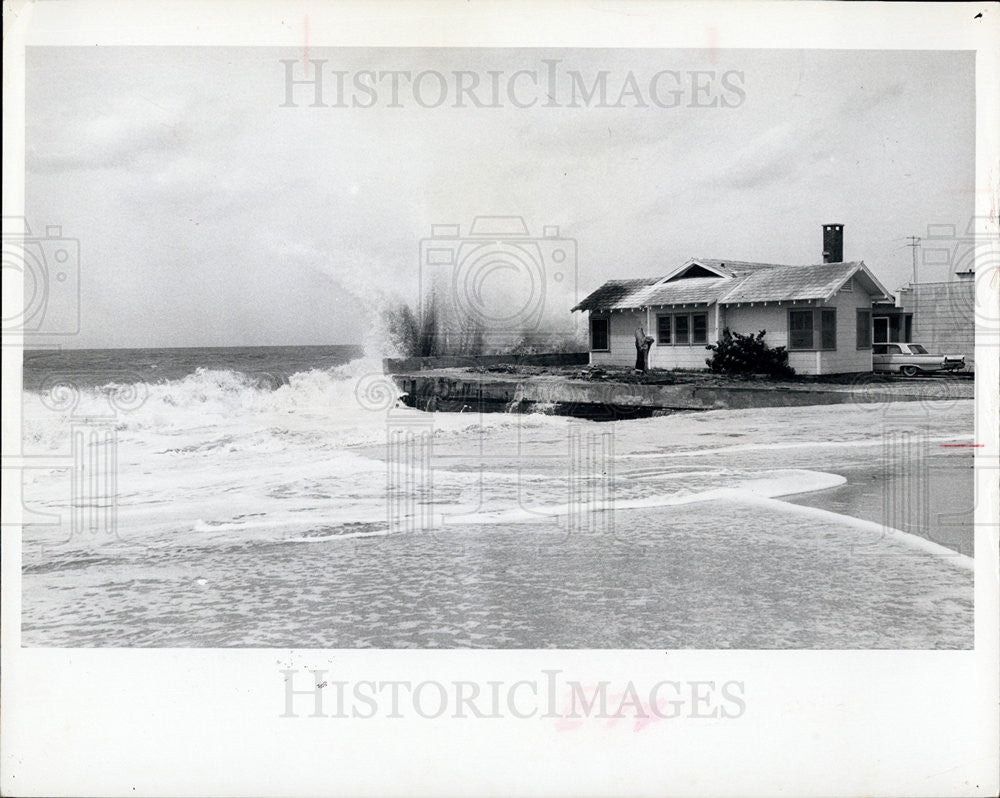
(822, 313)
(940, 316)
(943, 316)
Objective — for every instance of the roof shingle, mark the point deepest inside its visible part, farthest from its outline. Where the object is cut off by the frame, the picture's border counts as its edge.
(687, 291)
(788, 283)
(615, 294)
(748, 282)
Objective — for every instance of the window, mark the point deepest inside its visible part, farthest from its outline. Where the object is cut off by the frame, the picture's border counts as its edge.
(917, 349)
(803, 324)
(828, 328)
(908, 327)
(599, 335)
(864, 329)
(699, 328)
(663, 330)
(681, 329)
(800, 329)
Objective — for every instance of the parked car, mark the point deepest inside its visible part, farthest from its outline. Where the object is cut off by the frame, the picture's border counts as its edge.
(912, 359)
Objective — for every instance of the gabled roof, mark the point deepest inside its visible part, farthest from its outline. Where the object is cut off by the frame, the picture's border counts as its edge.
(790, 283)
(735, 268)
(746, 282)
(723, 268)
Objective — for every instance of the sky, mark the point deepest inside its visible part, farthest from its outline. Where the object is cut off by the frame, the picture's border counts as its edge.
(209, 213)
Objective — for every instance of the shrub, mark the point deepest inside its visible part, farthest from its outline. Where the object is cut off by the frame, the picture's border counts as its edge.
(746, 355)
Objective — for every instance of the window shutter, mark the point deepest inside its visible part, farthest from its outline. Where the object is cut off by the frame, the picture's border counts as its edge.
(828, 328)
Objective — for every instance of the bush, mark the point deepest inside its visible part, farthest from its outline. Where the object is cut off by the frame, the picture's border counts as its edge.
(746, 355)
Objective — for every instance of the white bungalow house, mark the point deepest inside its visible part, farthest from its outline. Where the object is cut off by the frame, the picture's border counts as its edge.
(821, 313)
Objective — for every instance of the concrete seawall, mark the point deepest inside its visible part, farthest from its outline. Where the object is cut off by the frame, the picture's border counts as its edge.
(457, 390)
(404, 365)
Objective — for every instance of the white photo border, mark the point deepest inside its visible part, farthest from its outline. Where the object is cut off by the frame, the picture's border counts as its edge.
(209, 722)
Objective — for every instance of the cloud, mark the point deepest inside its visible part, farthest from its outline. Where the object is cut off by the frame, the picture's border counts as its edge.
(199, 200)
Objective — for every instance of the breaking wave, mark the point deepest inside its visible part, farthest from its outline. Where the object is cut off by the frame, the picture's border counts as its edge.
(345, 405)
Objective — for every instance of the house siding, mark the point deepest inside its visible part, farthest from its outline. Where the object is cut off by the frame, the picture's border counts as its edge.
(847, 358)
(681, 356)
(773, 319)
(621, 338)
(745, 319)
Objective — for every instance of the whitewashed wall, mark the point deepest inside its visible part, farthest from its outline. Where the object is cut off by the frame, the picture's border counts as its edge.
(681, 356)
(622, 339)
(846, 358)
(772, 317)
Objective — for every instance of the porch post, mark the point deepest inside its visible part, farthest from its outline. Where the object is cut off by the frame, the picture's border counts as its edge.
(649, 331)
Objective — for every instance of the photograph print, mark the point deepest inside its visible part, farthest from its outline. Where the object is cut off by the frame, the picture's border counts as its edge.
(497, 348)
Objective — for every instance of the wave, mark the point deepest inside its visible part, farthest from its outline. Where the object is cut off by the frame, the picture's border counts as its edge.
(207, 384)
(350, 404)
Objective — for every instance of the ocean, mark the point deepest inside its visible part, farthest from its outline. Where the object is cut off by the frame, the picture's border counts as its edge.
(284, 497)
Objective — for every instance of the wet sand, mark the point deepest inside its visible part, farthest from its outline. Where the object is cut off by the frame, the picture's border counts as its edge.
(693, 530)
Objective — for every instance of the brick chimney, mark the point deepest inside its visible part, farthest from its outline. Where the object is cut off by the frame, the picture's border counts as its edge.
(833, 243)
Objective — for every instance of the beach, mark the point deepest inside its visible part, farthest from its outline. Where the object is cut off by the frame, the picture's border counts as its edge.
(316, 511)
